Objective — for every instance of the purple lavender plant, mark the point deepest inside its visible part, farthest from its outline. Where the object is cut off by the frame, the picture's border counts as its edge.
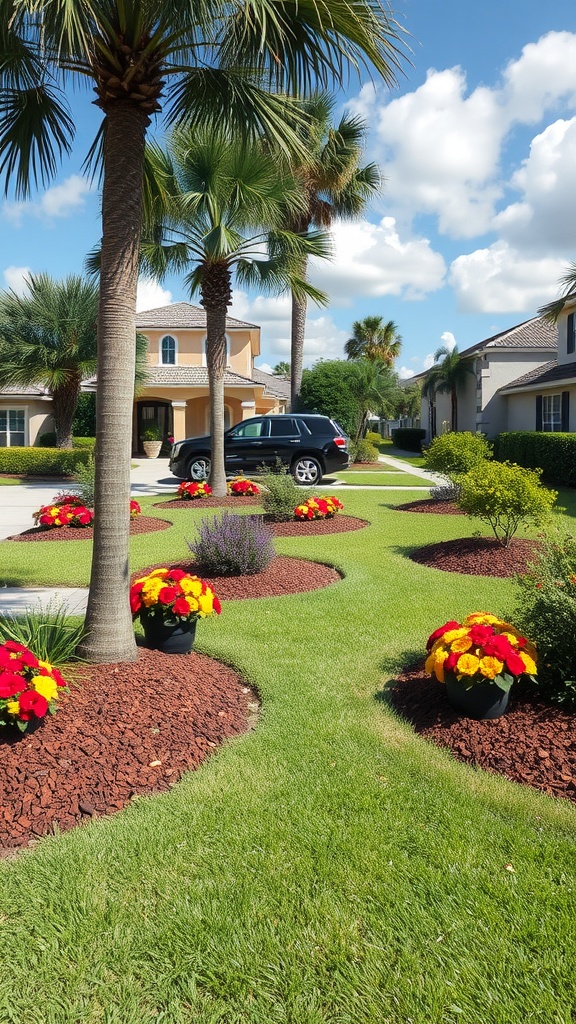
(233, 545)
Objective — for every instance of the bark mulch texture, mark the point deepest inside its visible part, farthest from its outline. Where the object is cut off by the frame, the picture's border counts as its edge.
(112, 740)
(532, 743)
(441, 508)
(315, 527)
(478, 556)
(284, 575)
(141, 524)
(229, 501)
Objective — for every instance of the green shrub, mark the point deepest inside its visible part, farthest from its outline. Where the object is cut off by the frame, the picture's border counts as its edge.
(280, 494)
(84, 478)
(231, 544)
(84, 422)
(363, 451)
(546, 612)
(408, 438)
(48, 440)
(504, 496)
(42, 461)
(554, 453)
(85, 442)
(48, 632)
(456, 453)
(373, 437)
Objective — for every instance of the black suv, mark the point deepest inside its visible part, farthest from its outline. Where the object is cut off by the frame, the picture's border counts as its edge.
(309, 445)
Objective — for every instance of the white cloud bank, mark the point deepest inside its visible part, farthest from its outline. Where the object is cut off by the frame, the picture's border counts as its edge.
(151, 295)
(16, 277)
(58, 201)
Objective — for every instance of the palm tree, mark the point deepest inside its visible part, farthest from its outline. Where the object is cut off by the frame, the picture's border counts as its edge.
(374, 388)
(48, 336)
(333, 186)
(221, 205)
(282, 369)
(374, 339)
(216, 57)
(446, 376)
(567, 282)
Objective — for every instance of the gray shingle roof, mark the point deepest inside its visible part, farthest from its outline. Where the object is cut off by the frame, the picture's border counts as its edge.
(195, 376)
(27, 390)
(181, 315)
(549, 373)
(537, 333)
(277, 386)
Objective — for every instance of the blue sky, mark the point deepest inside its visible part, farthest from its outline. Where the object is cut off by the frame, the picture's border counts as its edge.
(477, 220)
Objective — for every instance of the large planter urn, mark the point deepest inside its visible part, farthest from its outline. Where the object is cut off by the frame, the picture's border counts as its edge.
(152, 449)
(480, 701)
(176, 638)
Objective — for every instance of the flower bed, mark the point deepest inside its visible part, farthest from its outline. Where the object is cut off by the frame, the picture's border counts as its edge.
(318, 508)
(29, 688)
(173, 595)
(67, 513)
(241, 487)
(188, 490)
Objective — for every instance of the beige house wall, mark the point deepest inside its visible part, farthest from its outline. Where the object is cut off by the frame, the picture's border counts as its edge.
(38, 415)
(522, 407)
(243, 345)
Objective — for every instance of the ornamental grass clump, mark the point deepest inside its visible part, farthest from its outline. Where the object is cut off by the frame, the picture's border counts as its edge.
(281, 495)
(483, 649)
(505, 496)
(233, 545)
(29, 686)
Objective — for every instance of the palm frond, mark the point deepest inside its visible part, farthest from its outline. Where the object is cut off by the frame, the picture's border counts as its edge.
(35, 130)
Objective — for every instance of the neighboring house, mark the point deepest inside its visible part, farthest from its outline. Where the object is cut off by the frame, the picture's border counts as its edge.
(176, 395)
(545, 398)
(497, 363)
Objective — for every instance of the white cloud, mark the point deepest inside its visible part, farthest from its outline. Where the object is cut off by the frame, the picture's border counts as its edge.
(404, 373)
(150, 295)
(500, 279)
(428, 361)
(265, 367)
(324, 340)
(541, 77)
(59, 201)
(16, 278)
(448, 340)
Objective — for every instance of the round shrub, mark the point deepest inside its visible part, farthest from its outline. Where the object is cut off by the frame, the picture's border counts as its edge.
(456, 453)
(505, 496)
(280, 495)
(233, 545)
(365, 451)
(373, 437)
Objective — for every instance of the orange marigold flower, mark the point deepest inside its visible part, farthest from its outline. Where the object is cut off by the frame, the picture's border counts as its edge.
(491, 667)
(468, 665)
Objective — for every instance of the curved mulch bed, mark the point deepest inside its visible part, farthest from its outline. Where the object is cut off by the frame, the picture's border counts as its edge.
(112, 740)
(441, 508)
(478, 556)
(284, 575)
(532, 743)
(315, 527)
(141, 524)
(228, 501)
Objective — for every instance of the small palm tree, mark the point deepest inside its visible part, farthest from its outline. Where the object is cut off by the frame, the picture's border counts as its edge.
(374, 388)
(334, 186)
(282, 369)
(217, 208)
(48, 336)
(373, 339)
(567, 284)
(447, 375)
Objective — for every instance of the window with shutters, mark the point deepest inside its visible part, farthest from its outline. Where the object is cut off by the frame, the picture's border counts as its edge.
(552, 413)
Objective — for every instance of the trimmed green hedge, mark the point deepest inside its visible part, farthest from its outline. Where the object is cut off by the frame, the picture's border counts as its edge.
(48, 440)
(408, 438)
(42, 461)
(554, 454)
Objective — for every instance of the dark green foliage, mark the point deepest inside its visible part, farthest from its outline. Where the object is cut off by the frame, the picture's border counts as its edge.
(546, 612)
(42, 461)
(554, 454)
(233, 545)
(84, 423)
(280, 495)
(408, 438)
(328, 389)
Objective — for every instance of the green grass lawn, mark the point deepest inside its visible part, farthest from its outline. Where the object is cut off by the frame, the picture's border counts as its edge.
(378, 479)
(328, 868)
(11, 481)
(387, 448)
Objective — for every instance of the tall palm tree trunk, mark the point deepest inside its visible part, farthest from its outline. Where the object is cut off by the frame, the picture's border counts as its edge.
(108, 620)
(297, 337)
(64, 403)
(216, 297)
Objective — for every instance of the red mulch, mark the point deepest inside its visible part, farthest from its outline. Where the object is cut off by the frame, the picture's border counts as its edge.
(532, 743)
(478, 556)
(429, 505)
(141, 524)
(315, 527)
(100, 749)
(284, 575)
(228, 501)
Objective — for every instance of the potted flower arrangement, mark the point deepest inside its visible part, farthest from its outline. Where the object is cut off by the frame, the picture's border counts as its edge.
(478, 660)
(67, 513)
(318, 508)
(169, 603)
(242, 487)
(29, 688)
(152, 442)
(188, 490)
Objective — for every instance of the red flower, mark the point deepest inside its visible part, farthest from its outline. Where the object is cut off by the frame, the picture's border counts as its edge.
(9, 661)
(135, 602)
(216, 605)
(440, 632)
(181, 606)
(60, 681)
(167, 595)
(32, 704)
(177, 574)
(479, 634)
(514, 663)
(10, 684)
(451, 661)
(498, 647)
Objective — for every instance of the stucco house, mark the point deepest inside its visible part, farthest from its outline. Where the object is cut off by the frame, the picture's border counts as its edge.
(176, 395)
(498, 363)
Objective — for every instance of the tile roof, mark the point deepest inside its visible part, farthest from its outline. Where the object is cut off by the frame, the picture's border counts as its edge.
(195, 376)
(181, 315)
(549, 373)
(535, 333)
(279, 387)
(28, 390)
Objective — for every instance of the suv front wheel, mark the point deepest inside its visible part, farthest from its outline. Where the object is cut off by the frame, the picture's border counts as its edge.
(199, 468)
(307, 470)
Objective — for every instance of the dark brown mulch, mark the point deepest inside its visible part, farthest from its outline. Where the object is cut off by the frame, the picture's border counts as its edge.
(443, 508)
(126, 729)
(141, 524)
(284, 575)
(532, 743)
(315, 527)
(478, 556)
(229, 501)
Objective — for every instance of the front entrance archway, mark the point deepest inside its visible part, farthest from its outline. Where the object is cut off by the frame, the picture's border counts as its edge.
(152, 414)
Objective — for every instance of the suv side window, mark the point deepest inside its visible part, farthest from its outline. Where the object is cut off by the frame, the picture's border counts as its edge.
(252, 428)
(284, 428)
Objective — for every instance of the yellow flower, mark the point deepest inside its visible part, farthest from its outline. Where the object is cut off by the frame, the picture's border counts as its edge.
(467, 665)
(13, 707)
(158, 572)
(45, 665)
(430, 663)
(206, 604)
(193, 587)
(454, 634)
(482, 619)
(529, 663)
(192, 604)
(462, 644)
(512, 638)
(491, 667)
(46, 686)
(435, 664)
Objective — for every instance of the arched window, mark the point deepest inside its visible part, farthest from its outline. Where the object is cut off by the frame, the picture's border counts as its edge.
(168, 350)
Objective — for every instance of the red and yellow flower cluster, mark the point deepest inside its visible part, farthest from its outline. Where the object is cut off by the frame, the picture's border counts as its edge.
(29, 687)
(173, 593)
(135, 509)
(482, 649)
(241, 486)
(189, 489)
(71, 512)
(318, 508)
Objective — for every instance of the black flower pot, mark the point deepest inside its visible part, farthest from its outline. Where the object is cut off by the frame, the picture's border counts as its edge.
(480, 701)
(177, 638)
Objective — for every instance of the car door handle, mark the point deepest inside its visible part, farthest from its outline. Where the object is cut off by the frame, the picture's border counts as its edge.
(257, 442)
(294, 440)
